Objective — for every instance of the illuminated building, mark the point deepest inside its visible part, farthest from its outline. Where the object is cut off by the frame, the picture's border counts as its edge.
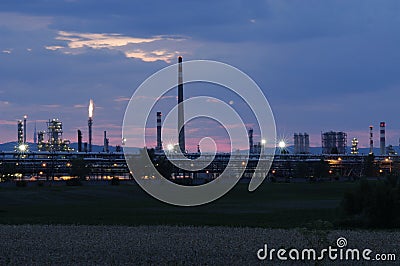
(354, 146)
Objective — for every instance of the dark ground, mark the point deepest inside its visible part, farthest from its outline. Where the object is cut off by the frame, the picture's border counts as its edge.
(272, 205)
(100, 224)
(173, 245)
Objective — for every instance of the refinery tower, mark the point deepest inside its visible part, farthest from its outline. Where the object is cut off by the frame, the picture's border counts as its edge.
(181, 118)
(90, 123)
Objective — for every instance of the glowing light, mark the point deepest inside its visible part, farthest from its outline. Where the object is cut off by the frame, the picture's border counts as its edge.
(22, 147)
(25, 116)
(91, 107)
(170, 147)
(281, 144)
(263, 141)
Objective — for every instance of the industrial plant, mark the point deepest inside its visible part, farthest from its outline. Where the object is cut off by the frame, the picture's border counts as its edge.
(334, 142)
(53, 157)
(301, 143)
(55, 141)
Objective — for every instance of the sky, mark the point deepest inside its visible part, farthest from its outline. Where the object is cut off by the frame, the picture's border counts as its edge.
(323, 65)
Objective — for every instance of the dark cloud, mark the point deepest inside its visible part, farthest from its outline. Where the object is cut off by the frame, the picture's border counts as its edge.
(216, 20)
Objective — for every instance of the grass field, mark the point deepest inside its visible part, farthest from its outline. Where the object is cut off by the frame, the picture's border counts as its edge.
(273, 205)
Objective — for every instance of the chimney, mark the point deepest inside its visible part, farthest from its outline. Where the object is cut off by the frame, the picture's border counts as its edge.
(181, 119)
(20, 132)
(105, 142)
(159, 143)
(382, 138)
(35, 135)
(371, 140)
(25, 117)
(251, 143)
(306, 143)
(79, 141)
(301, 142)
(90, 123)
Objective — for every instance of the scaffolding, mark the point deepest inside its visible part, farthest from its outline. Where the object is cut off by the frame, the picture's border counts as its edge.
(334, 142)
(301, 143)
(354, 146)
(20, 134)
(55, 140)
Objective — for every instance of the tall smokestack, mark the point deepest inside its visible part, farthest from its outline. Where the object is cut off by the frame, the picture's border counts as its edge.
(383, 138)
(25, 117)
(159, 143)
(35, 135)
(105, 142)
(306, 143)
(301, 142)
(251, 143)
(90, 123)
(79, 141)
(20, 132)
(296, 143)
(40, 140)
(181, 119)
(371, 140)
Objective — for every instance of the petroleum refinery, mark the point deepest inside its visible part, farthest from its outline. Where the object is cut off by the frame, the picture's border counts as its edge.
(53, 157)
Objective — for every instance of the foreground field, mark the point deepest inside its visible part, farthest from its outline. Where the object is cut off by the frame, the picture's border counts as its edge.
(278, 205)
(171, 245)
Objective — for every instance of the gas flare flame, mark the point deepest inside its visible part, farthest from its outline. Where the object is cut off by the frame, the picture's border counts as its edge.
(91, 107)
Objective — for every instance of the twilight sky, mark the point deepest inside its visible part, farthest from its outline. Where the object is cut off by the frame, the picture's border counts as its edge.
(323, 65)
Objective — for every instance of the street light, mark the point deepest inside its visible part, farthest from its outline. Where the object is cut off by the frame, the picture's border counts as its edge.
(282, 147)
(281, 144)
(170, 147)
(23, 148)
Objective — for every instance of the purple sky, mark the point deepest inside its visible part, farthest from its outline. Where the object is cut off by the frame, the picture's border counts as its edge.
(323, 65)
